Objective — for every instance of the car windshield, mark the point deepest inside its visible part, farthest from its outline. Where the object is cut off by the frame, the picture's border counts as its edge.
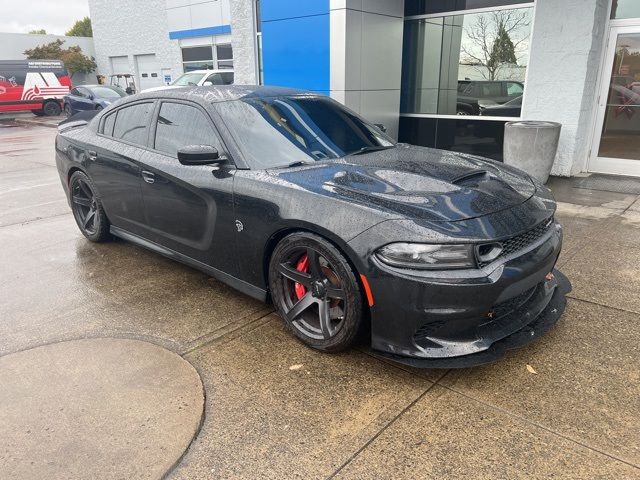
(188, 79)
(281, 131)
(108, 92)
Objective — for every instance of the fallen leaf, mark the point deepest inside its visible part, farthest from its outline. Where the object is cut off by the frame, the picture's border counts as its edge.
(530, 369)
(297, 366)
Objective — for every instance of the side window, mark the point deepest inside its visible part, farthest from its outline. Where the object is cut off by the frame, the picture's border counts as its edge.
(180, 125)
(107, 124)
(132, 122)
(514, 89)
(75, 92)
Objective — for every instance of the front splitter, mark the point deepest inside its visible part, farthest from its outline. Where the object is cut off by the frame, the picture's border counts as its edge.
(530, 332)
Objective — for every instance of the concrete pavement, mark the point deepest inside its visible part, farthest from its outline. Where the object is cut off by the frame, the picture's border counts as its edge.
(337, 416)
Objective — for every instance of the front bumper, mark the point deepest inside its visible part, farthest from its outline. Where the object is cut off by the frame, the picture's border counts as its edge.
(466, 317)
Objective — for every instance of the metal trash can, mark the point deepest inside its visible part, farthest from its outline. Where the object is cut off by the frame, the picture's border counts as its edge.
(532, 146)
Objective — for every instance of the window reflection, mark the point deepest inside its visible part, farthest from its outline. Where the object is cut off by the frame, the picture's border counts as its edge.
(457, 64)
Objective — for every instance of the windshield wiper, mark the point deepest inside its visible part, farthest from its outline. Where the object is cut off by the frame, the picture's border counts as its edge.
(297, 163)
(368, 149)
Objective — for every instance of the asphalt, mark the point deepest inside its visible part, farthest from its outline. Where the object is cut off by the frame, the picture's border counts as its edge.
(118, 363)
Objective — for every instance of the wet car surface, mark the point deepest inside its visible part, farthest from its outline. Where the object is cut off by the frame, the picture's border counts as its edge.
(278, 409)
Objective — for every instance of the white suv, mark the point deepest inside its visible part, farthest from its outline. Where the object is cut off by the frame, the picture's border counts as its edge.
(200, 78)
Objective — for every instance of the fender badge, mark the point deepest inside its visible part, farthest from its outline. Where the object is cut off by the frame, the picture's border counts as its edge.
(239, 225)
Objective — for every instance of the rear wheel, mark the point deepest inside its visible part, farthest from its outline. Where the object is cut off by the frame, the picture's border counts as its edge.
(87, 208)
(316, 292)
(51, 108)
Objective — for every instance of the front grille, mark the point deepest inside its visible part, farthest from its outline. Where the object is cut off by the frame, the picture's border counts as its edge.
(522, 241)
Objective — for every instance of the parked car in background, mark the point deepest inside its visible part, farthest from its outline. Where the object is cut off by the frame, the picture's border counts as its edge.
(471, 91)
(91, 97)
(489, 108)
(36, 85)
(199, 78)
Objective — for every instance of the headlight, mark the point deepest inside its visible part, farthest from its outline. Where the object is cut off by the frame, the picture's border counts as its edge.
(427, 257)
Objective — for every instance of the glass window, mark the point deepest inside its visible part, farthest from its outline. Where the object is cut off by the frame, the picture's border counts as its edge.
(281, 130)
(225, 78)
(190, 67)
(107, 124)
(515, 89)
(131, 123)
(188, 79)
(108, 92)
(224, 51)
(197, 54)
(421, 7)
(74, 91)
(452, 62)
(180, 125)
(625, 9)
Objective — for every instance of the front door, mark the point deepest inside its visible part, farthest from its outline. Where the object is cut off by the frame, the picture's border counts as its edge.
(189, 208)
(617, 141)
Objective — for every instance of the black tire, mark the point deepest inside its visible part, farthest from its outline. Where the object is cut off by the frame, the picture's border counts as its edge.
(67, 110)
(87, 208)
(327, 313)
(37, 113)
(51, 108)
(98, 108)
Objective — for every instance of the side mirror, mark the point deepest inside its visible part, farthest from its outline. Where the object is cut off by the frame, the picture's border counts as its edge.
(91, 97)
(381, 127)
(207, 84)
(199, 155)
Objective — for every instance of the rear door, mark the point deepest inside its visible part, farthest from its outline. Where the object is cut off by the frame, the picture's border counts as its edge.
(189, 209)
(114, 165)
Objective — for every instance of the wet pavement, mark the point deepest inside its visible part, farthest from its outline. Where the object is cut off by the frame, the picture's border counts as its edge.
(336, 416)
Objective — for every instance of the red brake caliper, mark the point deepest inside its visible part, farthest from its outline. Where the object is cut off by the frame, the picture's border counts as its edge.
(301, 266)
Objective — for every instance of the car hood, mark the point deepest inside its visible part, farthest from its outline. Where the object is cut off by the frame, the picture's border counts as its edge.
(417, 182)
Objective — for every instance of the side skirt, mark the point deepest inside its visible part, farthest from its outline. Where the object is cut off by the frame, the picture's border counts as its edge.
(240, 285)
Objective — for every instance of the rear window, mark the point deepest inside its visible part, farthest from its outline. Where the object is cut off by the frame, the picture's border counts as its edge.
(107, 124)
(132, 123)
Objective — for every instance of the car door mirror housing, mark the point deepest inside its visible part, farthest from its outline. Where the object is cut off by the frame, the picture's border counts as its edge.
(199, 155)
(207, 84)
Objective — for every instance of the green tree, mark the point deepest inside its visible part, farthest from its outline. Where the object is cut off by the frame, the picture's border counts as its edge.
(82, 28)
(502, 50)
(41, 31)
(74, 60)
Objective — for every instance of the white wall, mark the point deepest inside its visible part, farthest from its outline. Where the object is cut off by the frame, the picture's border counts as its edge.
(366, 58)
(128, 28)
(191, 14)
(566, 51)
(12, 46)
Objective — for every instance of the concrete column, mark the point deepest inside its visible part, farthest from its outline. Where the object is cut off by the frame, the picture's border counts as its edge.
(566, 51)
(366, 58)
(243, 41)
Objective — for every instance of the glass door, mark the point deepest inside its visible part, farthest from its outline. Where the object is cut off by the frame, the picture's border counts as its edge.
(617, 142)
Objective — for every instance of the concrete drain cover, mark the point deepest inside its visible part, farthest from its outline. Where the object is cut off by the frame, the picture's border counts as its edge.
(96, 408)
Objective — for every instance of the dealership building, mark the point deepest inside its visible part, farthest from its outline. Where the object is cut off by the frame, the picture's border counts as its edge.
(439, 73)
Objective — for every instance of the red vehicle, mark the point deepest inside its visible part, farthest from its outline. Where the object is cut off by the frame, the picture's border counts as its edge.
(36, 85)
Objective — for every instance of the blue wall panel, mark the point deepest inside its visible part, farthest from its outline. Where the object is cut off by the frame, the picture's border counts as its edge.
(295, 48)
(280, 9)
(199, 32)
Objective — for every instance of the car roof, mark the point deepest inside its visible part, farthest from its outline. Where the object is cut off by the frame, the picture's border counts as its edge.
(222, 93)
(220, 70)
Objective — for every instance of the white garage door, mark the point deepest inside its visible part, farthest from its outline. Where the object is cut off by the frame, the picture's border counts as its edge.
(148, 71)
(120, 64)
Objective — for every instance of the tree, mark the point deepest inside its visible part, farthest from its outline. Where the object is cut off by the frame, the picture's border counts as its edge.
(82, 28)
(494, 40)
(74, 60)
(41, 31)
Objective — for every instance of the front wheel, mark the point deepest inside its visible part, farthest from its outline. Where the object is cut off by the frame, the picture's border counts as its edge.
(87, 208)
(316, 292)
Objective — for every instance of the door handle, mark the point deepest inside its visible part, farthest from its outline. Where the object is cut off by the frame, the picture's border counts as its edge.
(92, 155)
(148, 176)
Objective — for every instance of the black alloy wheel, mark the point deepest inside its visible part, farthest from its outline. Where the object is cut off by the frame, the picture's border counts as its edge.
(87, 208)
(51, 108)
(316, 292)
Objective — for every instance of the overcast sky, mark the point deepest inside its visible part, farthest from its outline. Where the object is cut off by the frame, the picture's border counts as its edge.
(55, 16)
